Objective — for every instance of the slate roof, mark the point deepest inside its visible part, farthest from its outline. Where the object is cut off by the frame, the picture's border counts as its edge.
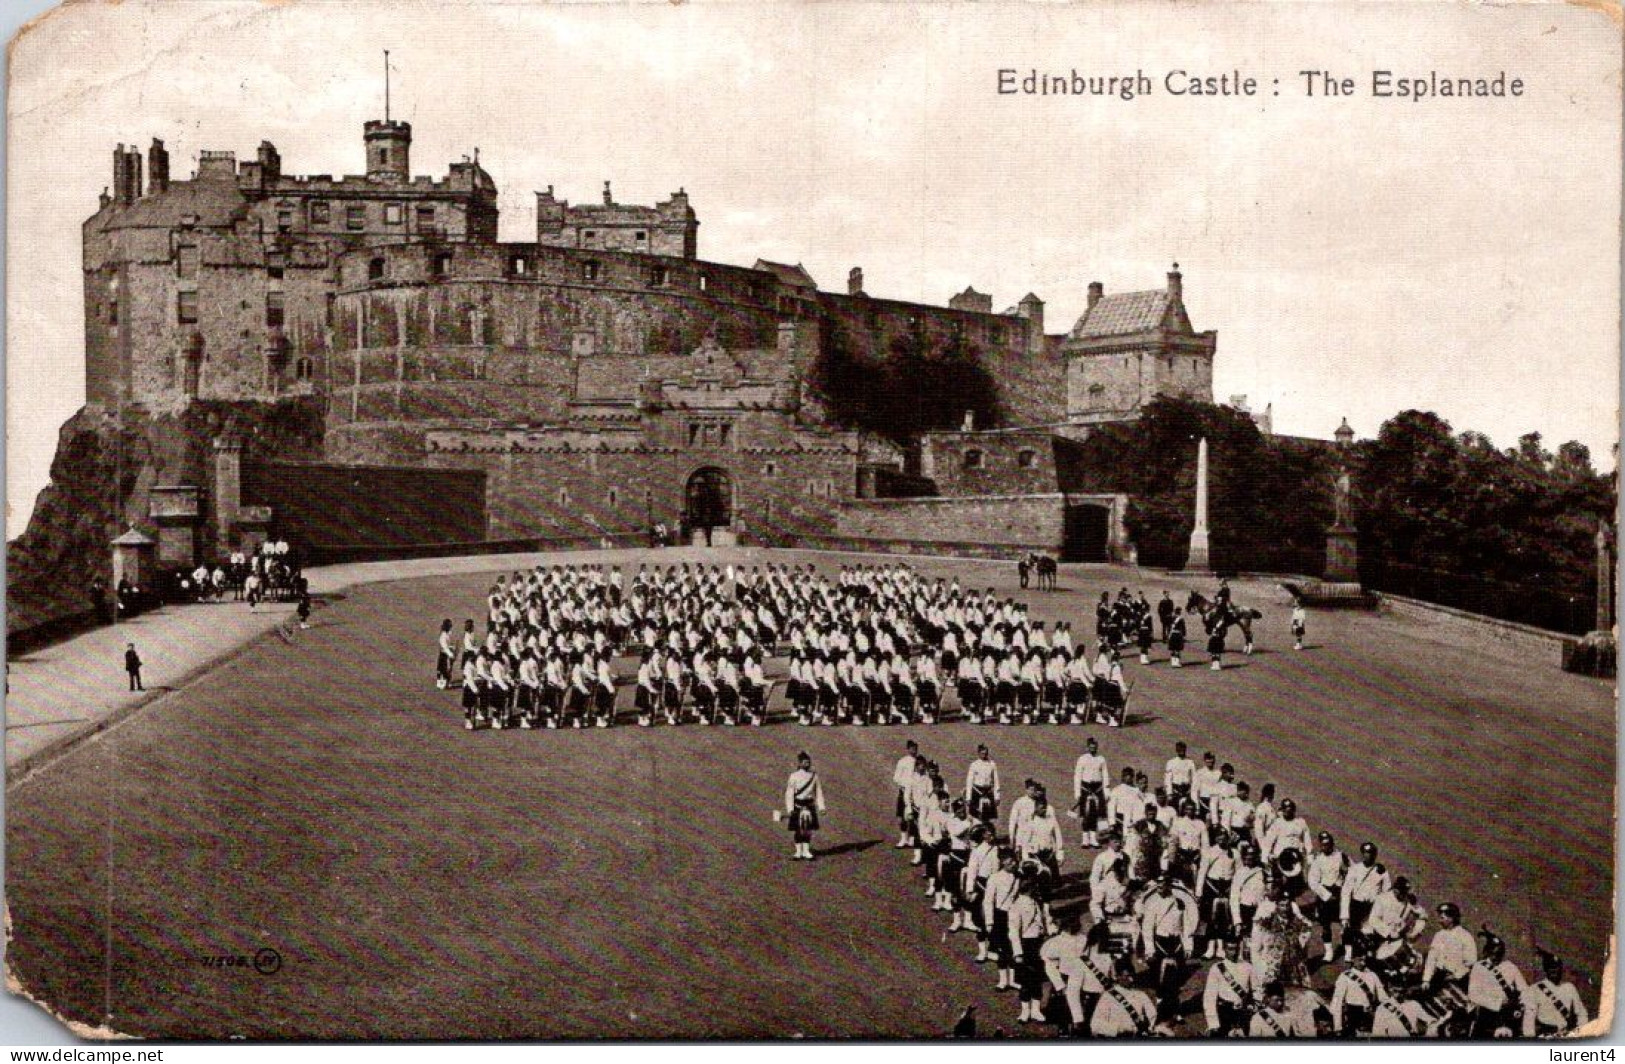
(1123, 313)
(795, 276)
(215, 204)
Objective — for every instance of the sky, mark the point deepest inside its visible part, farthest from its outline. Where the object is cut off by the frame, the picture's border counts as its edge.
(1357, 256)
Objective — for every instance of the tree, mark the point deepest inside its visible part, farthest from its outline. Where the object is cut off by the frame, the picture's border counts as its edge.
(1573, 460)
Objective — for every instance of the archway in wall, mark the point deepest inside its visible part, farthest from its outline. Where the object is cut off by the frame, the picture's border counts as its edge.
(1087, 534)
(708, 504)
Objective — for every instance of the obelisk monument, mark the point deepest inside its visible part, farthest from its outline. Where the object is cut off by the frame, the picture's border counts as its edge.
(1197, 560)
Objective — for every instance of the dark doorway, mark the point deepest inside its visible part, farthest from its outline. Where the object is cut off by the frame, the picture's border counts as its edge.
(1087, 534)
(709, 500)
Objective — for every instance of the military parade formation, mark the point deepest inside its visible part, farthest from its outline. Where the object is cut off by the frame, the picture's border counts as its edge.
(875, 645)
(1195, 873)
(1191, 870)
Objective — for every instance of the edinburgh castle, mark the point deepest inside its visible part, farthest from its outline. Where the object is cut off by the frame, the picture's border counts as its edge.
(359, 361)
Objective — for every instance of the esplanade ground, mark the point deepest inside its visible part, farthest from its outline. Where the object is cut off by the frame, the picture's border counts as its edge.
(314, 795)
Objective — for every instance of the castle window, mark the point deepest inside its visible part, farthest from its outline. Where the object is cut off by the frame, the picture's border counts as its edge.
(355, 218)
(659, 276)
(704, 282)
(694, 434)
(614, 497)
(518, 265)
(1097, 390)
(973, 459)
(588, 236)
(392, 214)
(273, 310)
(375, 270)
(426, 217)
(304, 369)
(383, 156)
(186, 307)
(725, 434)
(186, 261)
(112, 311)
(771, 469)
(442, 264)
(640, 236)
(284, 221)
(319, 213)
(589, 271)
(1025, 459)
(327, 311)
(275, 273)
(564, 496)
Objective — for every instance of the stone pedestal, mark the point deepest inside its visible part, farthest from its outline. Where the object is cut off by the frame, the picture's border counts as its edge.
(1342, 555)
(1196, 561)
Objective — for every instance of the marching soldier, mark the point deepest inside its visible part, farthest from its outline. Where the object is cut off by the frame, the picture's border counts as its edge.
(1452, 953)
(982, 787)
(903, 777)
(1123, 1011)
(1176, 639)
(1178, 775)
(1227, 997)
(1062, 955)
(1022, 809)
(448, 655)
(1496, 989)
(1028, 928)
(1365, 883)
(1328, 867)
(1401, 1015)
(1040, 839)
(1552, 1006)
(1271, 1019)
(1168, 919)
(803, 801)
(982, 863)
(996, 901)
(1355, 997)
(1089, 779)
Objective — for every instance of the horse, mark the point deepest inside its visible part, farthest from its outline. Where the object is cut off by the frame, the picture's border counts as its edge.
(1046, 572)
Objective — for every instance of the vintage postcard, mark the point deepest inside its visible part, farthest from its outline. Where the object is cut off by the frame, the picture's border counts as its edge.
(841, 520)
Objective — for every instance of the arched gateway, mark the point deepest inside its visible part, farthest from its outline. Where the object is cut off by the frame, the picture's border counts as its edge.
(708, 506)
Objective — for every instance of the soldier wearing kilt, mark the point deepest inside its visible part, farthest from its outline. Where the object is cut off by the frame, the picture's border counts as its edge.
(982, 863)
(446, 658)
(1177, 635)
(647, 698)
(1089, 778)
(1028, 927)
(1216, 623)
(1228, 999)
(972, 688)
(473, 696)
(803, 801)
(996, 901)
(1355, 997)
(1188, 836)
(529, 689)
(982, 787)
(604, 695)
(903, 777)
(471, 644)
(1145, 636)
(957, 826)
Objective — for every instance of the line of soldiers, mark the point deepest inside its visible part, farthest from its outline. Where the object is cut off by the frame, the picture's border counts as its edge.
(873, 645)
(1194, 872)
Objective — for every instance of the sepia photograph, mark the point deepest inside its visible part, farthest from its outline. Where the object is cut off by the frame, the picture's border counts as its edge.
(839, 521)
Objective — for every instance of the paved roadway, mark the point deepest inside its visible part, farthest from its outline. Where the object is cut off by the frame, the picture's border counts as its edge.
(317, 796)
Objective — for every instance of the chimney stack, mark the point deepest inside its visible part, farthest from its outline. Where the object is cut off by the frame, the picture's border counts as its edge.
(1097, 291)
(609, 200)
(854, 281)
(1176, 288)
(157, 167)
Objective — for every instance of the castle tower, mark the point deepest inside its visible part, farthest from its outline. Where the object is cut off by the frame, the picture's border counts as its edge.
(389, 150)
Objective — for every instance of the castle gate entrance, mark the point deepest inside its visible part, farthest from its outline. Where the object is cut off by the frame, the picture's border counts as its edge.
(708, 507)
(1087, 534)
